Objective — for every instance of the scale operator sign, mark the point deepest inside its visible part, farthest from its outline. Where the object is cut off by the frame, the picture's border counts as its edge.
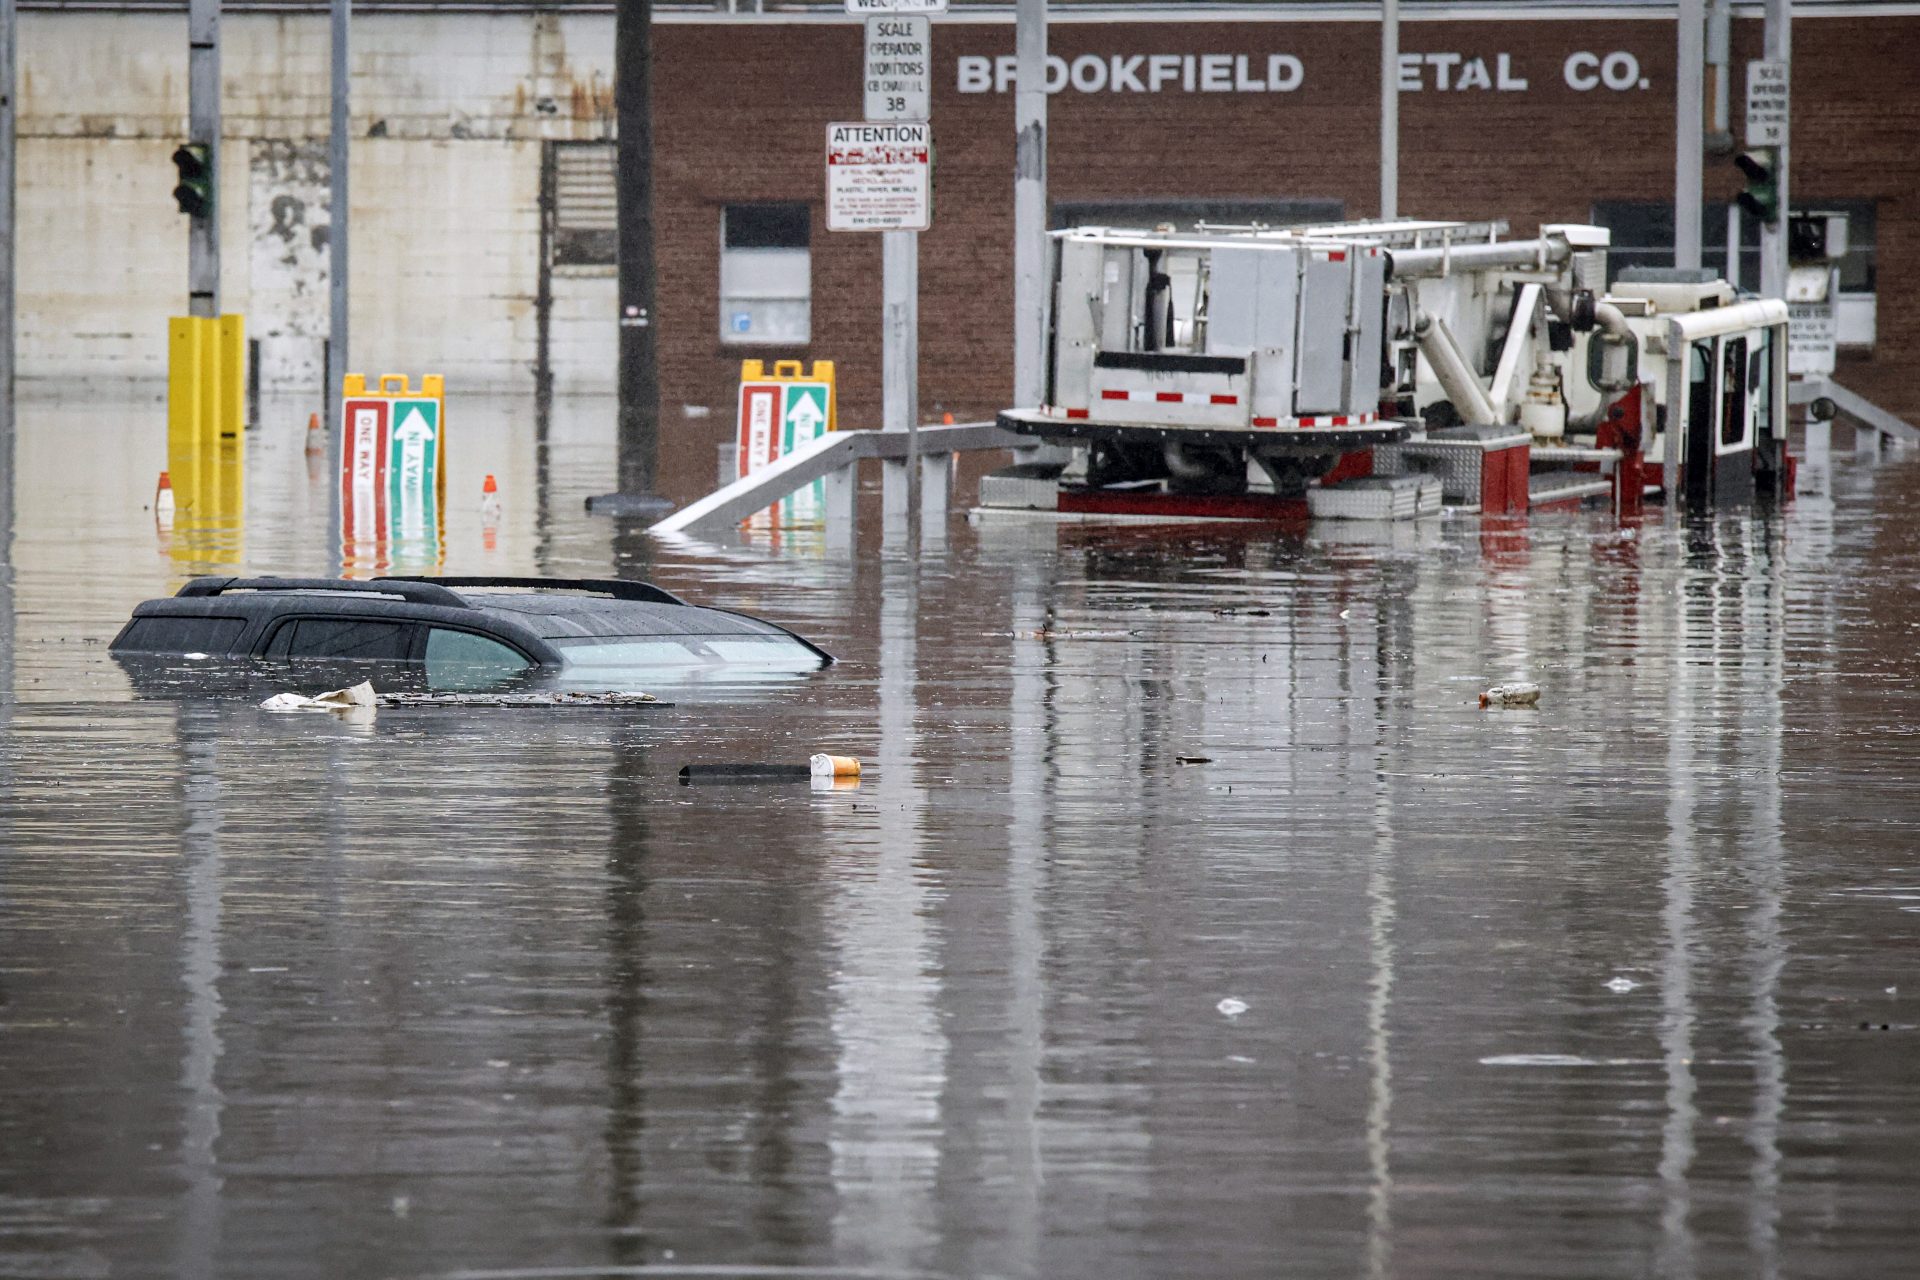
(880, 176)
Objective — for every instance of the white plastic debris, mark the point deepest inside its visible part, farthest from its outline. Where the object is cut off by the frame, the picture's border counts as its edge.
(349, 699)
(1231, 1008)
(1622, 985)
(1520, 694)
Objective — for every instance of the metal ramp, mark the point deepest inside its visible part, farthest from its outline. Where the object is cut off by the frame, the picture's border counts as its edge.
(835, 457)
(1854, 406)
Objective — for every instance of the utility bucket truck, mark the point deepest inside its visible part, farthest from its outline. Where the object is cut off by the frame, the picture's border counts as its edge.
(1378, 369)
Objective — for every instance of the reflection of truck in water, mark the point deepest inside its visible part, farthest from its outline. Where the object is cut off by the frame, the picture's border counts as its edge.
(1375, 368)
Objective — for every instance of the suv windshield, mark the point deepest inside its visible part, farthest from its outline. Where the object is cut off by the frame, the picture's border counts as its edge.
(687, 655)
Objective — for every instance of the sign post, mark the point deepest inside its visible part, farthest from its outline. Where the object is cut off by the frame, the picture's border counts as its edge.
(880, 178)
(1777, 46)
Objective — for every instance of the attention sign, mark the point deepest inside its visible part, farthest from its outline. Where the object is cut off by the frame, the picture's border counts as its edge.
(880, 176)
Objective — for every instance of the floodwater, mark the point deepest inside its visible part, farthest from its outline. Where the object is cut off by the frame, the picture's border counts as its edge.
(1386, 985)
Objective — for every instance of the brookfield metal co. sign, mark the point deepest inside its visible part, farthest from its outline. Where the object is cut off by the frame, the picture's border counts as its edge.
(1448, 72)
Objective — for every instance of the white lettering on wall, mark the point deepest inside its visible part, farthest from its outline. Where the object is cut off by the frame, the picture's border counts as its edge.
(1458, 71)
(1140, 73)
(1447, 71)
(1618, 71)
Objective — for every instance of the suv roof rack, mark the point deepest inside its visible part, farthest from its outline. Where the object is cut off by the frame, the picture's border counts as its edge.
(412, 590)
(618, 588)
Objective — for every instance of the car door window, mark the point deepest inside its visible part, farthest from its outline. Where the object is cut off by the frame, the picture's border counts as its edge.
(462, 660)
(366, 639)
(182, 635)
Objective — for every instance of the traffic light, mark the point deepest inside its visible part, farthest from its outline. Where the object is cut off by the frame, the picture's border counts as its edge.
(194, 194)
(1762, 196)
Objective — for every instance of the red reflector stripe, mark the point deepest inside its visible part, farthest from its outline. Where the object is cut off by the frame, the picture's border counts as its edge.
(1113, 395)
(1168, 397)
(1226, 399)
(1338, 255)
(1266, 422)
(1077, 413)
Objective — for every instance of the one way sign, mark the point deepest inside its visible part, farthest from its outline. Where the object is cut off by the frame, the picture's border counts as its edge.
(780, 413)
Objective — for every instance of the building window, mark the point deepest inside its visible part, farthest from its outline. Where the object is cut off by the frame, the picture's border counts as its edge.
(766, 286)
(581, 207)
(1643, 237)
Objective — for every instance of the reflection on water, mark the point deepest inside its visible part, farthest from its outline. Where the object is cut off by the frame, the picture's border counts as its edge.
(207, 525)
(1388, 985)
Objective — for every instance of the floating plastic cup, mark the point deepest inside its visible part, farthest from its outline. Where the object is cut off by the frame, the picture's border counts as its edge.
(826, 766)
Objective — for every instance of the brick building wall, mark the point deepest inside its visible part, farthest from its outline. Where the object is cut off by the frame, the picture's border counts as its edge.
(451, 110)
(741, 110)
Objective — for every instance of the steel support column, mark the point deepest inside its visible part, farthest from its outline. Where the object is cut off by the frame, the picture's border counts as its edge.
(1030, 202)
(340, 14)
(1689, 131)
(1389, 109)
(203, 128)
(1773, 240)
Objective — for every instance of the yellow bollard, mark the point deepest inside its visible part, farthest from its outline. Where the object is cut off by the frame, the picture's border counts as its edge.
(185, 367)
(230, 345)
(206, 415)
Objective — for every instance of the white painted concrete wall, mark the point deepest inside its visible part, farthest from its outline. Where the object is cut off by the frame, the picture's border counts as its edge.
(448, 114)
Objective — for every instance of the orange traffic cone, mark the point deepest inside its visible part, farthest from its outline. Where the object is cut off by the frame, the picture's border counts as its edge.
(946, 419)
(489, 501)
(316, 442)
(163, 498)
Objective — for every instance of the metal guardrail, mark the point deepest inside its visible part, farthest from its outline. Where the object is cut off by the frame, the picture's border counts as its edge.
(1853, 405)
(730, 504)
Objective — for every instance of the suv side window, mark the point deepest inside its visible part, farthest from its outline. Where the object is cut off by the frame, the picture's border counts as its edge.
(462, 660)
(162, 634)
(372, 639)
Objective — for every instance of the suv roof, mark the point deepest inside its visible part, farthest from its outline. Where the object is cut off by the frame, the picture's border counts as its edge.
(532, 613)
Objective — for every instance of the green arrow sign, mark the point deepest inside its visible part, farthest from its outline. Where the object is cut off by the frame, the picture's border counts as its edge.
(413, 464)
(804, 414)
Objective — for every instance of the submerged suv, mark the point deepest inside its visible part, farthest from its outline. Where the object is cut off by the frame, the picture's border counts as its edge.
(463, 633)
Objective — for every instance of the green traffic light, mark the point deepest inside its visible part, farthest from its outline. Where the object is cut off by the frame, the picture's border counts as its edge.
(194, 194)
(1762, 196)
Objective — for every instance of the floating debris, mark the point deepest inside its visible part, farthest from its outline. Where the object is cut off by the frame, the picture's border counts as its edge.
(826, 766)
(1231, 1008)
(563, 698)
(726, 773)
(1511, 695)
(825, 772)
(349, 699)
